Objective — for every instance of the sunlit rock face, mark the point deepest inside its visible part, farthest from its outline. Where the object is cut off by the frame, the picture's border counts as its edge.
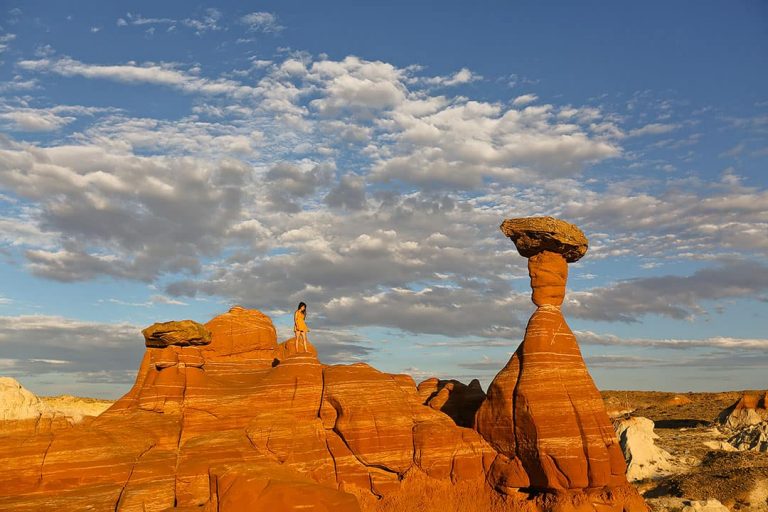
(222, 417)
(230, 418)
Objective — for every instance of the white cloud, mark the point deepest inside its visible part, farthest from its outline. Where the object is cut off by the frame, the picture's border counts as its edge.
(462, 76)
(153, 300)
(464, 143)
(715, 342)
(150, 73)
(35, 120)
(525, 99)
(209, 21)
(653, 129)
(262, 22)
(4, 40)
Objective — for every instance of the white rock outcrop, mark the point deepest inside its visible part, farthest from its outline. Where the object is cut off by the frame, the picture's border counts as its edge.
(18, 403)
(644, 458)
(75, 408)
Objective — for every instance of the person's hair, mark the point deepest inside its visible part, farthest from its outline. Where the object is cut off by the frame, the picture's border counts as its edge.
(305, 308)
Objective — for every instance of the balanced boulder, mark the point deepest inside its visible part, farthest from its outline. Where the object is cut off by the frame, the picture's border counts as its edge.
(182, 333)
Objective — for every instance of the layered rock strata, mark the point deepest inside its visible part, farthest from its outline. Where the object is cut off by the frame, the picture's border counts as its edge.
(543, 413)
(241, 423)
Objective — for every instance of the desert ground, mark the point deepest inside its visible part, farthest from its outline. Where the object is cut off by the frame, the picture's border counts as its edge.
(684, 422)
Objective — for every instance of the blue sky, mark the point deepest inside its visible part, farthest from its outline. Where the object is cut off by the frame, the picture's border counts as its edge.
(167, 160)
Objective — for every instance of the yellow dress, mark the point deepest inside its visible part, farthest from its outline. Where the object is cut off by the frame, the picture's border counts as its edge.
(298, 322)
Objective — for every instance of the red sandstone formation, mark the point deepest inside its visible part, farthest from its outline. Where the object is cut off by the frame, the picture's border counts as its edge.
(240, 423)
(456, 399)
(543, 413)
(223, 418)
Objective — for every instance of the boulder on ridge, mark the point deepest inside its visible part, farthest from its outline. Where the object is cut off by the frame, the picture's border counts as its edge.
(181, 333)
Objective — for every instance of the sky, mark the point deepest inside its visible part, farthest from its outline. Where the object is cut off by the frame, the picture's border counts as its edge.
(170, 159)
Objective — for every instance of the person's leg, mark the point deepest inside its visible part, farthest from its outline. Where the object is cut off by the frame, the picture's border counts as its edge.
(304, 339)
(296, 335)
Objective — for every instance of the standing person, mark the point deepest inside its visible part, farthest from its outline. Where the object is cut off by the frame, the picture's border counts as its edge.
(300, 326)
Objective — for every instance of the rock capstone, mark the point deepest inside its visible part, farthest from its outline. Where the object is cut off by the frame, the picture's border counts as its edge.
(181, 333)
(533, 235)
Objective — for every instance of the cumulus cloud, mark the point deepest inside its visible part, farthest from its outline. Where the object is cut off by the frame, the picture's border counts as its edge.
(465, 143)
(144, 216)
(290, 183)
(27, 119)
(358, 87)
(35, 120)
(349, 193)
(433, 310)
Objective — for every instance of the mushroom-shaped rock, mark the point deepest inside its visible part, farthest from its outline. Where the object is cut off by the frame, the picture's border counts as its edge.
(543, 411)
(182, 333)
(533, 235)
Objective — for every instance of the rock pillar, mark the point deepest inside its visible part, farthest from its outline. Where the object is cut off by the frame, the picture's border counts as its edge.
(543, 411)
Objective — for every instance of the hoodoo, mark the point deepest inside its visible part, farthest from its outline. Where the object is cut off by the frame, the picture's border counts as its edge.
(543, 413)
